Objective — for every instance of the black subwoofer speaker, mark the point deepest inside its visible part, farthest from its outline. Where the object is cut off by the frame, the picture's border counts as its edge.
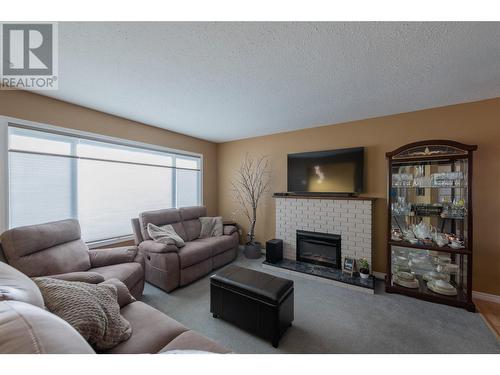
(274, 250)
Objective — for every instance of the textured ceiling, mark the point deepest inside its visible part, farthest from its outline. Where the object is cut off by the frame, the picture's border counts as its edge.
(225, 81)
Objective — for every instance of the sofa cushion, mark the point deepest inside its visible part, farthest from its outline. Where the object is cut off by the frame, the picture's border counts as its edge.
(194, 252)
(190, 216)
(91, 309)
(149, 246)
(170, 216)
(219, 244)
(18, 242)
(152, 330)
(27, 329)
(192, 229)
(16, 286)
(46, 249)
(191, 340)
(84, 277)
(128, 273)
(194, 212)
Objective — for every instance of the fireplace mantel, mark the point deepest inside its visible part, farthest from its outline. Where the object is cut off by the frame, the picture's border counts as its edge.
(322, 196)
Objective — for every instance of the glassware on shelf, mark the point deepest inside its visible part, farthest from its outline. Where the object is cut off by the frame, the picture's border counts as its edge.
(419, 180)
(401, 207)
(402, 179)
(447, 179)
(454, 209)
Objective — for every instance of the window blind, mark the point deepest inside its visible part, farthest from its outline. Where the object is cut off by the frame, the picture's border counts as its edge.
(53, 176)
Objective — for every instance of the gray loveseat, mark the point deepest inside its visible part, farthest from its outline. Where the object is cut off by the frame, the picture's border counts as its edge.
(169, 267)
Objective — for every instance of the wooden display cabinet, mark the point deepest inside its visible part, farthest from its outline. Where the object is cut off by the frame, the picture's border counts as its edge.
(429, 229)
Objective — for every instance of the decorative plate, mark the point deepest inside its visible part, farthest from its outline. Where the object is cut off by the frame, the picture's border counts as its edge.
(444, 287)
(405, 276)
(433, 275)
(413, 284)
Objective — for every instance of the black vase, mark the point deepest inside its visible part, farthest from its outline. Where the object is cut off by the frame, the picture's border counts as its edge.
(253, 250)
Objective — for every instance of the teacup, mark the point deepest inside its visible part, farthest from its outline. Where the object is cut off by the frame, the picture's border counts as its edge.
(456, 244)
(440, 241)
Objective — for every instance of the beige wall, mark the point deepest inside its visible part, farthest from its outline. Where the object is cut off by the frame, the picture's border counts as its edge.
(32, 107)
(474, 123)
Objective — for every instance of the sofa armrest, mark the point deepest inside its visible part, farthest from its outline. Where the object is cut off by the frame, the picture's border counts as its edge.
(114, 255)
(150, 246)
(123, 294)
(229, 229)
(84, 277)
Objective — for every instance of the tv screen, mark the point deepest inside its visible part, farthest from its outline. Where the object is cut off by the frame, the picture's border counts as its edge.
(334, 171)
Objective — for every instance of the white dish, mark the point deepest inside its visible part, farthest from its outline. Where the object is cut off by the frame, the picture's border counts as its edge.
(433, 275)
(413, 284)
(448, 290)
(441, 284)
(407, 276)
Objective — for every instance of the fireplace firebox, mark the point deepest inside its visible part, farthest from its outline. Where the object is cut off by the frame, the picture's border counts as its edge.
(319, 248)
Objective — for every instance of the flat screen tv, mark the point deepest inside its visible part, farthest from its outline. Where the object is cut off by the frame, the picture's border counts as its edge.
(326, 172)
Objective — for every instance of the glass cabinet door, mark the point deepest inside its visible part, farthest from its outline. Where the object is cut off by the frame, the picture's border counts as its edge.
(429, 233)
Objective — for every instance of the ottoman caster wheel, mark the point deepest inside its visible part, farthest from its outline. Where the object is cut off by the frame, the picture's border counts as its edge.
(276, 343)
(215, 316)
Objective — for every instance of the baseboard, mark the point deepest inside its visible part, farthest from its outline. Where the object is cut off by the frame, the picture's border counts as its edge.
(486, 296)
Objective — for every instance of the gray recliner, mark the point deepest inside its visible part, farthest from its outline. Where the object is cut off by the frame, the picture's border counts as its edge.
(57, 248)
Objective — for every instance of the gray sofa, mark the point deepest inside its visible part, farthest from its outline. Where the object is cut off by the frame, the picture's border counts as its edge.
(169, 267)
(27, 328)
(56, 248)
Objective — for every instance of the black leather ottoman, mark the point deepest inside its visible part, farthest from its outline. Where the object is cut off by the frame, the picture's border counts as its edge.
(255, 301)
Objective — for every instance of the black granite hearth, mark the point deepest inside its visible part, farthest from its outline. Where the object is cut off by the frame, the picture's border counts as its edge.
(324, 272)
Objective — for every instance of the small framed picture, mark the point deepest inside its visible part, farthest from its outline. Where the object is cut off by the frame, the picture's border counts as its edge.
(349, 265)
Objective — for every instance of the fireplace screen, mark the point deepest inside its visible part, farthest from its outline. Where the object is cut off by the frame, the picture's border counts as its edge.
(319, 248)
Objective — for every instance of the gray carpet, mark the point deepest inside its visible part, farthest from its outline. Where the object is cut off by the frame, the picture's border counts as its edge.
(330, 319)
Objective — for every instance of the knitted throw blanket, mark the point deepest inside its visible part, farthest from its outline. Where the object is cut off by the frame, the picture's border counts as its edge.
(91, 309)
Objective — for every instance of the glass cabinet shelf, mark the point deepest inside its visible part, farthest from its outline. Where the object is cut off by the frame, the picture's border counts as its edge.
(429, 243)
(445, 248)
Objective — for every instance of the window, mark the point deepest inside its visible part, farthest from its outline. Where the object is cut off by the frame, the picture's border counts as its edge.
(54, 176)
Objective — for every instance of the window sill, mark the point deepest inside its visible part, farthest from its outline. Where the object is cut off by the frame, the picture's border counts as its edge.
(111, 241)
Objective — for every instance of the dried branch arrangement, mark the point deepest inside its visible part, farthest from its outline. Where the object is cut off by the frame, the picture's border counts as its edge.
(252, 181)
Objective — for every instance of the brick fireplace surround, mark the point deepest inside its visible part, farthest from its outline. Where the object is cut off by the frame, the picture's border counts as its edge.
(351, 218)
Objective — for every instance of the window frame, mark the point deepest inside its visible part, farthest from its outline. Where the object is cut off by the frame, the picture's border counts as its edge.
(6, 121)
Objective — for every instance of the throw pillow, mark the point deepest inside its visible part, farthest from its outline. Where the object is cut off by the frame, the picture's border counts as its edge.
(91, 309)
(218, 227)
(211, 226)
(165, 234)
